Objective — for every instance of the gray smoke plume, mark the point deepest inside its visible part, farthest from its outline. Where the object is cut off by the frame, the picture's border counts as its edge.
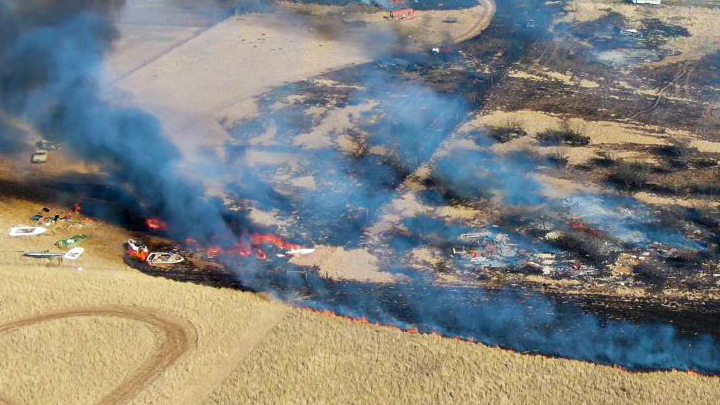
(50, 52)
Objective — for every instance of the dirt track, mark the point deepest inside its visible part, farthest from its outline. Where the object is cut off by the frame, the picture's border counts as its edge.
(241, 58)
(178, 338)
(482, 23)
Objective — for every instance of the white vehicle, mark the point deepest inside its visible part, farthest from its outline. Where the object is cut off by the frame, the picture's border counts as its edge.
(40, 156)
(300, 251)
(74, 253)
(24, 230)
(136, 245)
(164, 258)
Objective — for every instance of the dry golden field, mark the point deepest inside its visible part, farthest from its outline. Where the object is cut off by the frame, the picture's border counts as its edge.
(312, 358)
(117, 335)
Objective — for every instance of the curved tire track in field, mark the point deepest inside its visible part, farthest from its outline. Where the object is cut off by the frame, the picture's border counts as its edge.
(178, 338)
(482, 23)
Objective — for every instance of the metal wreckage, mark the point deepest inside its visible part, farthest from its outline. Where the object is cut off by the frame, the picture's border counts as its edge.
(588, 237)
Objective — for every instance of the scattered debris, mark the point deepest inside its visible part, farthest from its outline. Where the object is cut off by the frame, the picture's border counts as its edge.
(164, 258)
(488, 249)
(24, 230)
(49, 221)
(44, 254)
(629, 31)
(654, 2)
(136, 244)
(74, 253)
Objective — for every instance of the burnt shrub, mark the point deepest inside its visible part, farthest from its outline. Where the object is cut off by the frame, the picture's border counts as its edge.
(465, 176)
(442, 267)
(675, 155)
(530, 158)
(670, 151)
(564, 136)
(685, 260)
(482, 138)
(557, 159)
(507, 132)
(702, 163)
(428, 228)
(658, 27)
(603, 161)
(651, 273)
(628, 177)
(592, 249)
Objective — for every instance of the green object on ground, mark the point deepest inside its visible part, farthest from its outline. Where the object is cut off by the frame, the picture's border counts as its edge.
(71, 241)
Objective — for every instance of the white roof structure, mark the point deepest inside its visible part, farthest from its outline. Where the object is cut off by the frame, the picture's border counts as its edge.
(657, 2)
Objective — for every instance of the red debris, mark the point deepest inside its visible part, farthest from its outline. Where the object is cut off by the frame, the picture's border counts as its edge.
(402, 14)
(141, 254)
(581, 226)
(214, 251)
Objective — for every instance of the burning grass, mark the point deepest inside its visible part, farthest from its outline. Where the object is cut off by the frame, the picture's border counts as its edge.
(375, 363)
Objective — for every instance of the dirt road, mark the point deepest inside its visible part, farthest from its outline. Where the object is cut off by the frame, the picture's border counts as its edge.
(194, 79)
(177, 339)
(482, 22)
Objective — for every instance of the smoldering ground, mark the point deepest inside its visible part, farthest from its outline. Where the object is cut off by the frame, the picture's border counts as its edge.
(413, 122)
(48, 73)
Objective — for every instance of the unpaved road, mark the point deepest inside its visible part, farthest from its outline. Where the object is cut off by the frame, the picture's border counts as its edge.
(482, 22)
(191, 76)
(177, 339)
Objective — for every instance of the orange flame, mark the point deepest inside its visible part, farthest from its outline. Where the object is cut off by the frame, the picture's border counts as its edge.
(260, 238)
(141, 254)
(156, 223)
